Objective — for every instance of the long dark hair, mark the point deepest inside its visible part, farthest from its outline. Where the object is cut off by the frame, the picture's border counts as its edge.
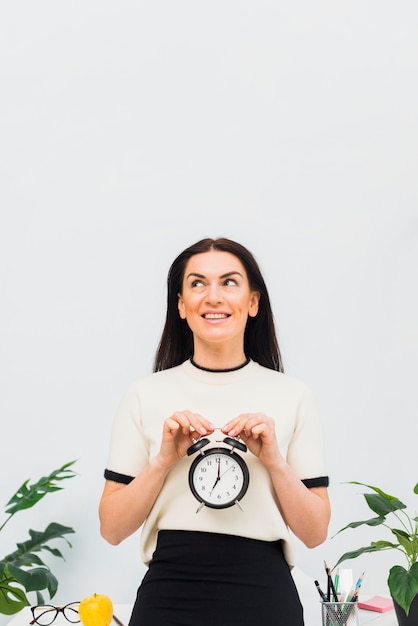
(260, 341)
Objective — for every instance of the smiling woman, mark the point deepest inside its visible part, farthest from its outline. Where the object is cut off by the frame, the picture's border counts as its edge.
(216, 306)
(218, 378)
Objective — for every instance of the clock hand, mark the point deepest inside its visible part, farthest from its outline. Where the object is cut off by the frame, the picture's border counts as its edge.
(218, 477)
(227, 470)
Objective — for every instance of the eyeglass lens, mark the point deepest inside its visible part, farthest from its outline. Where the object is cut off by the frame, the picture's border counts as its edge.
(45, 614)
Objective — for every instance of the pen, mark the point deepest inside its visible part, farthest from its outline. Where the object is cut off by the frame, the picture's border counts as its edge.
(321, 593)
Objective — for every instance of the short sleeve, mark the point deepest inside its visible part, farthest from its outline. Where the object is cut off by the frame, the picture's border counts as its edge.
(129, 449)
(306, 452)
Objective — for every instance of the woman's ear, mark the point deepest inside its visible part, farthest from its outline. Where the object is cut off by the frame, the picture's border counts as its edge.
(180, 306)
(254, 302)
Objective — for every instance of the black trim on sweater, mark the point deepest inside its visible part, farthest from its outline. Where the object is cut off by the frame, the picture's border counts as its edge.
(118, 478)
(321, 481)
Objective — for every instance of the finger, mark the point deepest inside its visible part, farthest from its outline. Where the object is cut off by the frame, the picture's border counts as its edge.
(190, 422)
(198, 424)
(171, 426)
(250, 425)
(242, 423)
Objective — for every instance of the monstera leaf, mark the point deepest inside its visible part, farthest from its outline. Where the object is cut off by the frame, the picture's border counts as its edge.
(23, 570)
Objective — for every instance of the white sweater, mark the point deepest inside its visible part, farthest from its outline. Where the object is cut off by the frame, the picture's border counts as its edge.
(218, 396)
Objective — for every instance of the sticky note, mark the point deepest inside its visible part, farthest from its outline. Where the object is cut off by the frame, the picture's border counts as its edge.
(376, 603)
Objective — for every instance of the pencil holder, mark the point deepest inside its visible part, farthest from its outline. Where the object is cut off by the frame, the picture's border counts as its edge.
(339, 614)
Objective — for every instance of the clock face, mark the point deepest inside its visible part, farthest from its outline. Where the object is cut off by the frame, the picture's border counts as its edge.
(219, 478)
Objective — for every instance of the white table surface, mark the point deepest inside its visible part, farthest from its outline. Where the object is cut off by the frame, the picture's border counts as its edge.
(308, 595)
(312, 617)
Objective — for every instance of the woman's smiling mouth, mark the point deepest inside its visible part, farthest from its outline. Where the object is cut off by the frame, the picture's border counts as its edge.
(215, 316)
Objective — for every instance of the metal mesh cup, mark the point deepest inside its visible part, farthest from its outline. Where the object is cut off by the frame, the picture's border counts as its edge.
(339, 614)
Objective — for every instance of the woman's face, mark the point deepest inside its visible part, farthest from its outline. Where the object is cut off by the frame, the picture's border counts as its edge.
(216, 298)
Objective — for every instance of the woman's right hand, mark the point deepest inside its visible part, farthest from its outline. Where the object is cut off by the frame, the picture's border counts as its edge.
(179, 431)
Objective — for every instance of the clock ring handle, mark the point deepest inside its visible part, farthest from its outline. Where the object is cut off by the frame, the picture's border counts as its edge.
(235, 443)
(197, 445)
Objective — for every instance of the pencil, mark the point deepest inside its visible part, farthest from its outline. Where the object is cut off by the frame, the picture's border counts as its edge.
(330, 584)
(358, 583)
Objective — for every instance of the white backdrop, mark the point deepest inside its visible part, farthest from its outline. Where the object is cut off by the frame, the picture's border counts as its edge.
(130, 130)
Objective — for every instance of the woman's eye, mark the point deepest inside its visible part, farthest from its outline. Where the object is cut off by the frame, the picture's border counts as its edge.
(197, 283)
(230, 282)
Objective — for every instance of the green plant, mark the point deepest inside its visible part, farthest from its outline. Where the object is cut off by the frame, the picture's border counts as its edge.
(402, 582)
(23, 571)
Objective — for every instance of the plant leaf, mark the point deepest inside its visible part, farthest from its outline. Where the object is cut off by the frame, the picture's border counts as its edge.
(374, 521)
(375, 489)
(35, 579)
(405, 540)
(353, 554)
(12, 596)
(23, 555)
(403, 585)
(384, 545)
(28, 495)
(381, 504)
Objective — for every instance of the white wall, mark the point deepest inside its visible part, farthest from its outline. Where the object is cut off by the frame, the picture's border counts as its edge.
(129, 130)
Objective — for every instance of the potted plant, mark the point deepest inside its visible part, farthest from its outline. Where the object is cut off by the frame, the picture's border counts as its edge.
(402, 581)
(23, 571)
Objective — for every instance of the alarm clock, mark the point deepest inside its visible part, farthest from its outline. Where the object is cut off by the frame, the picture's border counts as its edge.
(218, 477)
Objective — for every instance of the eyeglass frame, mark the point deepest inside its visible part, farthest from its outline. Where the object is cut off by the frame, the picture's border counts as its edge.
(57, 609)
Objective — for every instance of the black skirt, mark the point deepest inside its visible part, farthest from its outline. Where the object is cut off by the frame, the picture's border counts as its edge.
(209, 579)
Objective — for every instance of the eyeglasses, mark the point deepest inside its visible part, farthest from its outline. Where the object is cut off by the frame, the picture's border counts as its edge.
(45, 614)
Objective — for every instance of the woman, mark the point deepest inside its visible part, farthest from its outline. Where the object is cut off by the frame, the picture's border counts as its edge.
(217, 374)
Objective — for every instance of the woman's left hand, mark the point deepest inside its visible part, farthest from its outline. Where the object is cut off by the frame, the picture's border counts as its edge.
(257, 430)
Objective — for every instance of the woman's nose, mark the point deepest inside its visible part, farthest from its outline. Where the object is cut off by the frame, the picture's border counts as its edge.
(214, 294)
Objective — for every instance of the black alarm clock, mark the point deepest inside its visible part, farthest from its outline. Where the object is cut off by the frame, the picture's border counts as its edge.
(218, 477)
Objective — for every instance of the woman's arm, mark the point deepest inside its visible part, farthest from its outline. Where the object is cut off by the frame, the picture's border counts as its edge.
(124, 508)
(305, 511)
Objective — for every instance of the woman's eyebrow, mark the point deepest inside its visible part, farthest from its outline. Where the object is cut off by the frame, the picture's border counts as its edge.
(231, 274)
(222, 276)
